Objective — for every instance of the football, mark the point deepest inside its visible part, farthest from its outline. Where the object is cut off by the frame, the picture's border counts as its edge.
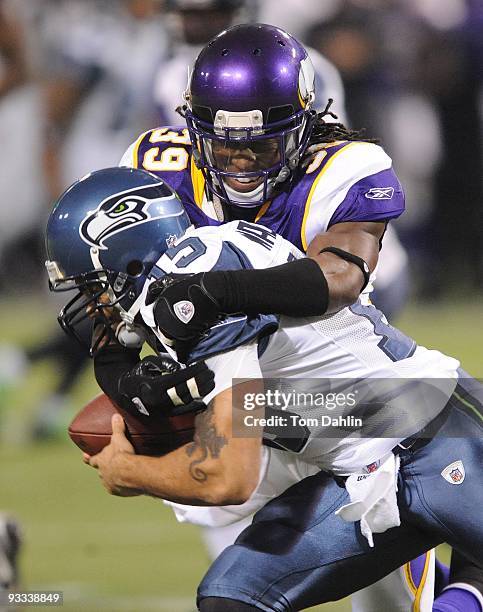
(155, 435)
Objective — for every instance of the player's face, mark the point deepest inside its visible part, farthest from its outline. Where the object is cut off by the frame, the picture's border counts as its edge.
(100, 336)
(109, 312)
(246, 157)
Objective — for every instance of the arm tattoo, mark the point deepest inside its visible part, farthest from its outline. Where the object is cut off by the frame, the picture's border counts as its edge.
(206, 440)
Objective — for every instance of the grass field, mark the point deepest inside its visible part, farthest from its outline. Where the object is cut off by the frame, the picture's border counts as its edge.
(112, 554)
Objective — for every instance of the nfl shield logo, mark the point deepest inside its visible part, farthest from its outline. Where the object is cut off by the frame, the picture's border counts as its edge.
(170, 240)
(454, 473)
(184, 310)
(372, 467)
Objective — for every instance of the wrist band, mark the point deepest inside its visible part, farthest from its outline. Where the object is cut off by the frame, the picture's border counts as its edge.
(355, 259)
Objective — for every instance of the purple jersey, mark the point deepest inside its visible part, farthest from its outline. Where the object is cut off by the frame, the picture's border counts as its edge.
(347, 181)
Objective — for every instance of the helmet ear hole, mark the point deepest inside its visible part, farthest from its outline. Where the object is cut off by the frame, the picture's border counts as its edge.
(135, 267)
(204, 113)
(279, 113)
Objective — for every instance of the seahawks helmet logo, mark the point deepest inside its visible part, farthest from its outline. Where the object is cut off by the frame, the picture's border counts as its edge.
(120, 212)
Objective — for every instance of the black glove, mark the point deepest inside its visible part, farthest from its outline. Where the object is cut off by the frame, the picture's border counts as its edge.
(184, 308)
(159, 383)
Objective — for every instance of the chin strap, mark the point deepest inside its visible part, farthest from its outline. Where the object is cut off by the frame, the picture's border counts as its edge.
(282, 176)
(96, 262)
(244, 199)
(130, 336)
(127, 333)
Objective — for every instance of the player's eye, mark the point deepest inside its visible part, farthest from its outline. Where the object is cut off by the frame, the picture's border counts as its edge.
(92, 290)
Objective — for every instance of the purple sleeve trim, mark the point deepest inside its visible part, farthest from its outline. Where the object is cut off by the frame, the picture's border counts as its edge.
(377, 197)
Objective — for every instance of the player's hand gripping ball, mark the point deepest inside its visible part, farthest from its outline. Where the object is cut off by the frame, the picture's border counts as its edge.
(159, 385)
(155, 435)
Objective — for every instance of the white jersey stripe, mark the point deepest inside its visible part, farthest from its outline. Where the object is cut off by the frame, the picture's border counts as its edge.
(327, 194)
(305, 241)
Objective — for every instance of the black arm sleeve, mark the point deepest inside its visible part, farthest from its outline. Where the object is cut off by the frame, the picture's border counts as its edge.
(298, 289)
(109, 365)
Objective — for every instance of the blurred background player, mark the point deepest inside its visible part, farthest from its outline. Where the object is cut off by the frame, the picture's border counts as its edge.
(98, 65)
(9, 548)
(102, 60)
(433, 83)
(193, 23)
(21, 121)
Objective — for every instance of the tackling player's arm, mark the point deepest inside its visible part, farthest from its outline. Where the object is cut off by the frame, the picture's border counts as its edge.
(322, 283)
(344, 278)
(215, 469)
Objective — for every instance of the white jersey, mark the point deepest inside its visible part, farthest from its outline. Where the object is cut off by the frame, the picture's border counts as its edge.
(342, 345)
(337, 353)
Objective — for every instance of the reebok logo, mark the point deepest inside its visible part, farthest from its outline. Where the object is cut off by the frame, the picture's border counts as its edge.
(380, 193)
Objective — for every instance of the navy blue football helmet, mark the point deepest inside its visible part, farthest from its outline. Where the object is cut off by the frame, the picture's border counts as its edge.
(103, 237)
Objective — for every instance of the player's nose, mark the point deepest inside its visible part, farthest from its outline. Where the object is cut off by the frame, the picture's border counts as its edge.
(245, 163)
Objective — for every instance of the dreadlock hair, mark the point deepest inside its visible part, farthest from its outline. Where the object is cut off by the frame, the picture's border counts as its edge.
(329, 132)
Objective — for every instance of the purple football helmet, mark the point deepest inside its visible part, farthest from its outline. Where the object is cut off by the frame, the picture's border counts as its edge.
(249, 111)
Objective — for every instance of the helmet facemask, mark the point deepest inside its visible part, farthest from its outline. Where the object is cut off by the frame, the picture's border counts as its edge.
(96, 310)
(238, 147)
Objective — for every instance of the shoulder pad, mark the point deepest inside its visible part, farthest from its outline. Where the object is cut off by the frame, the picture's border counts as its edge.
(355, 182)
